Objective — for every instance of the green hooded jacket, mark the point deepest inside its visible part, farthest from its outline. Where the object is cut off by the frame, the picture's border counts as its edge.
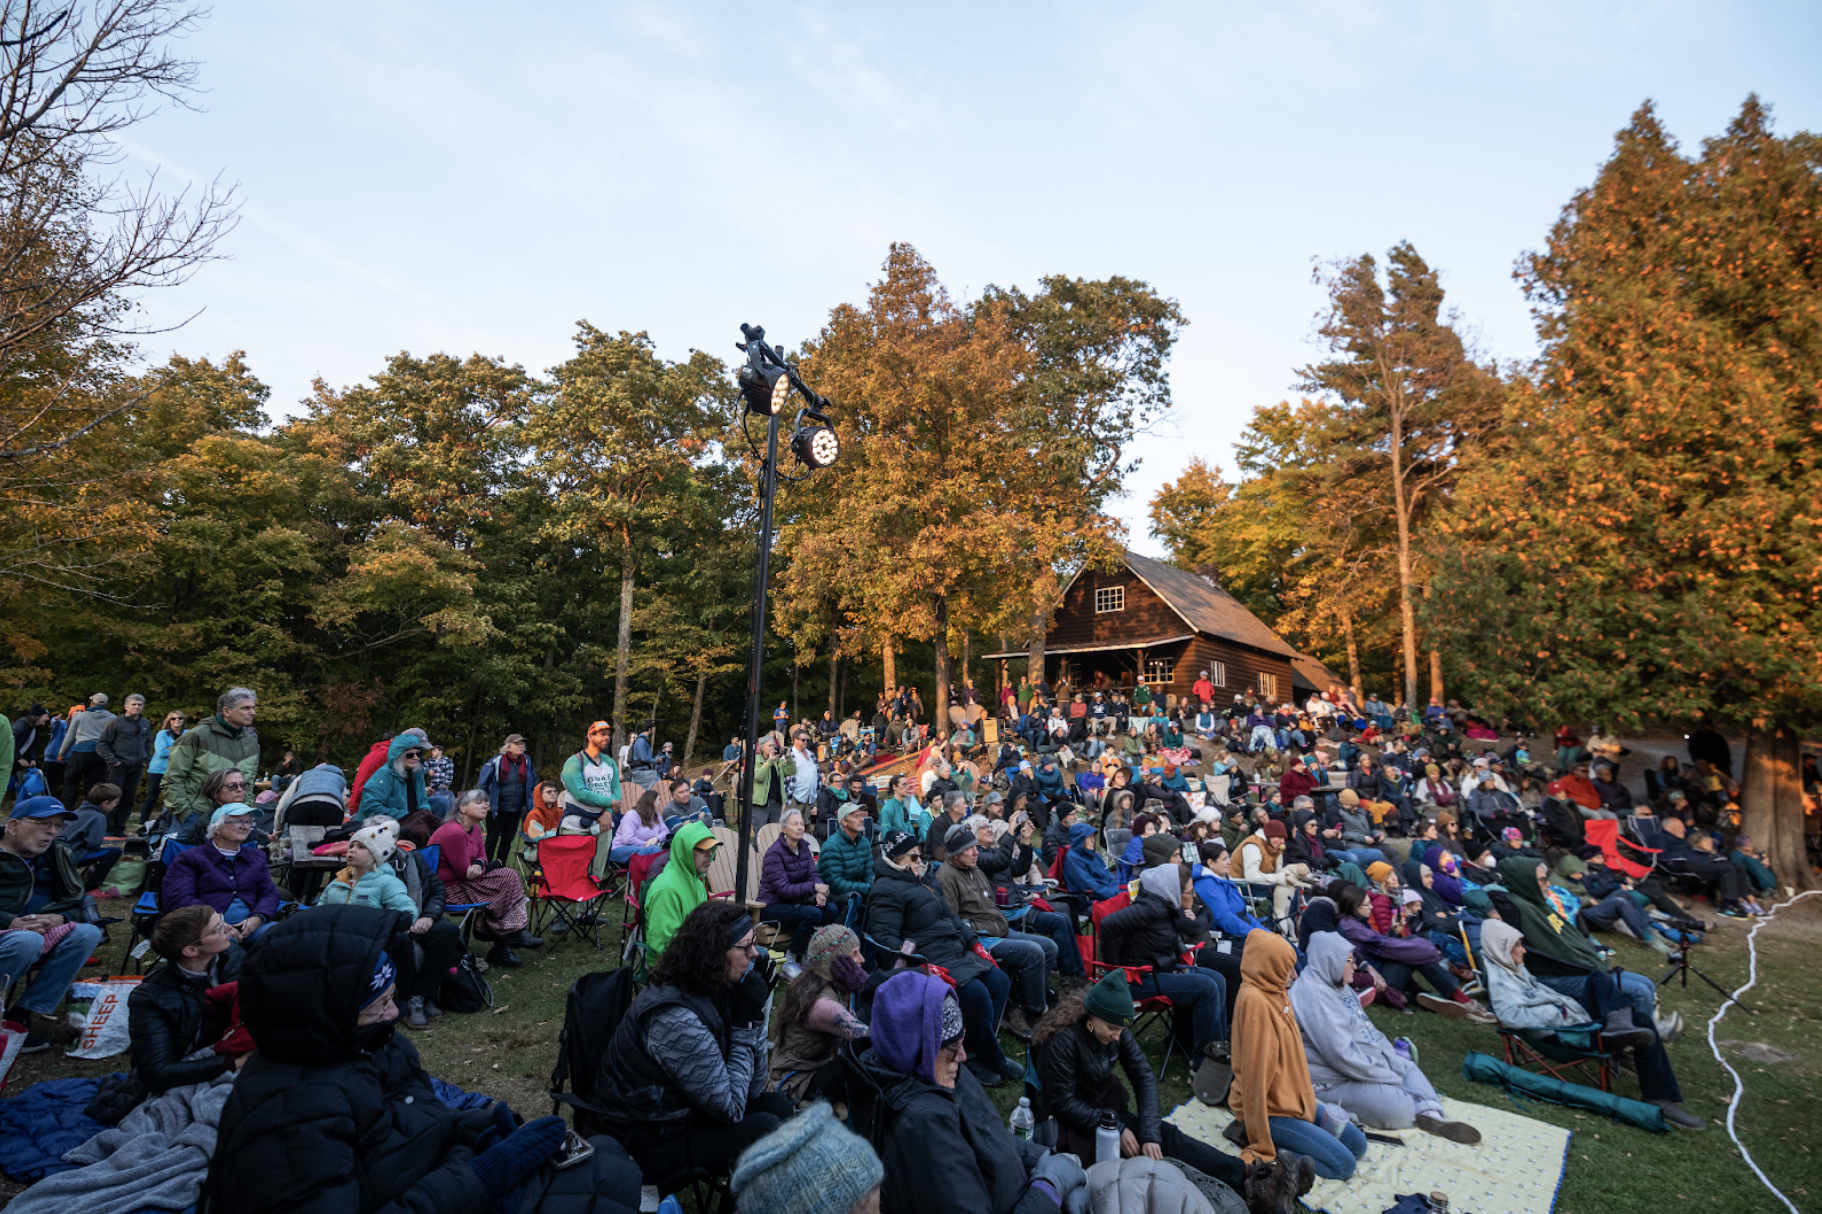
(210, 747)
(676, 891)
(1554, 948)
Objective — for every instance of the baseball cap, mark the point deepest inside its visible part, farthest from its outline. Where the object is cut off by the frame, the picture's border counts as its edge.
(39, 807)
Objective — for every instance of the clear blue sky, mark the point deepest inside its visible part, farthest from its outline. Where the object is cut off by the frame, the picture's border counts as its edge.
(467, 177)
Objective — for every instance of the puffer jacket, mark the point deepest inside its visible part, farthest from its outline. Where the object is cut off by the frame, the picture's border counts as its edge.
(206, 749)
(903, 908)
(1072, 1066)
(327, 1118)
(165, 1014)
(1142, 1186)
(846, 867)
(203, 875)
(786, 876)
(389, 790)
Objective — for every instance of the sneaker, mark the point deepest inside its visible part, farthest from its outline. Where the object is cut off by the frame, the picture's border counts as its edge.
(1017, 1023)
(1674, 1114)
(983, 1075)
(1670, 1027)
(1013, 1069)
(1454, 1131)
(54, 1029)
(414, 1013)
(34, 1044)
(1479, 1014)
(1441, 1006)
(1733, 912)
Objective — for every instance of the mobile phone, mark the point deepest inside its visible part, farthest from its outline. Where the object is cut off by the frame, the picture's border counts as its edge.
(575, 1149)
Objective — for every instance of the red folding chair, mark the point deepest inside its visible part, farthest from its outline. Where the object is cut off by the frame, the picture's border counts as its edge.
(1152, 1009)
(561, 884)
(1605, 834)
(632, 920)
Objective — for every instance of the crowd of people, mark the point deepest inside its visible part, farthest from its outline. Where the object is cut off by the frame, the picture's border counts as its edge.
(1270, 870)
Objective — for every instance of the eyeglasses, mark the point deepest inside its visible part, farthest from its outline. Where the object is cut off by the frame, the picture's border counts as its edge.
(748, 947)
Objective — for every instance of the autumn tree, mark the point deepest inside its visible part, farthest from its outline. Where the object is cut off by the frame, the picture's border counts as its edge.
(1645, 547)
(1409, 403)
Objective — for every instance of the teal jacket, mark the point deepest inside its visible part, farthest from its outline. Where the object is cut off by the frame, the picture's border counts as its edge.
(385, 790)
(846, 868)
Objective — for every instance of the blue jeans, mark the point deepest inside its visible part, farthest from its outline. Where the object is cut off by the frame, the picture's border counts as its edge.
(1362, 856)
(19, 952)
(802, 919)
(1055, 929)
(1637, 990)
(1617, 906)
(1023, 959)
(238, 910)
(620, 855)
(441, 804)
(982, 1002)
(1332, 1157)
(1197, 995)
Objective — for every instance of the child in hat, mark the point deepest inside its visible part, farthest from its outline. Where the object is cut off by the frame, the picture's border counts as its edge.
(369, 880)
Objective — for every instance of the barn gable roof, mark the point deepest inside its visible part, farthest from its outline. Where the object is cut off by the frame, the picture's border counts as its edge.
(1205, 606)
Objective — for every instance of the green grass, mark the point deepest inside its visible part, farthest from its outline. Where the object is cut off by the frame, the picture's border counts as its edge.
(1612, 1169)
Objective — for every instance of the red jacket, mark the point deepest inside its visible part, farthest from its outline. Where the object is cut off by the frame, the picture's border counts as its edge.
(369, 765)
(1203, 690)
(1294, 784)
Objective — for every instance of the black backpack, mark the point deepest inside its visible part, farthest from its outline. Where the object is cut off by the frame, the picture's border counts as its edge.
(596, 1005)
(465, 990)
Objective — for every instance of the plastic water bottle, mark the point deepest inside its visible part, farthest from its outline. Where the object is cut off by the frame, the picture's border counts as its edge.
(1107, 1139)
(1021, 1119)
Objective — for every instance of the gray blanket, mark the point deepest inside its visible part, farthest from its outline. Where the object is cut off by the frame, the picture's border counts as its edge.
(156, 1158)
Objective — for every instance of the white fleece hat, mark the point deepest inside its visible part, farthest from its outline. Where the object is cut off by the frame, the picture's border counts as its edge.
(379, 841)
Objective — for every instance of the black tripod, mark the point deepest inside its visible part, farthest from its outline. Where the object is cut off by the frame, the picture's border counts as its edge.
(1679, 964)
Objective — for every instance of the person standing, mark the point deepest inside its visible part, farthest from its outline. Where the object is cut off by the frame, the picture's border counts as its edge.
(508, 780)
(803, 779)
(31, 744)
(439, 775)
(82, 761)
(591, 782)
(225, 740)
(162, 741)
(125, 746)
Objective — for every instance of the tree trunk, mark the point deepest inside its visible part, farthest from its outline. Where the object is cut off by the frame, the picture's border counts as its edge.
(1407, 610)
(1347, 630)
(834, 660)
(795, 671)
(841, 696)
(1034, 652)
(1435, 659)
(889, 659)
(941, 721)
(689, 745)
(1771, 803)
(967, 657)
(624, 646)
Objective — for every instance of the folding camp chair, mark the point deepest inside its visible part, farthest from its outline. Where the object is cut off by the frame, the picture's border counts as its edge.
(147, 910)
(463, 912)
(562, 885)
(1564, 1053)
(632, 922)
(1151, 1009)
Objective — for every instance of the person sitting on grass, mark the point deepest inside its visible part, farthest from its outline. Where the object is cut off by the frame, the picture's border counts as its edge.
(815, 1021)
(468, 876)
(335, 1114)
(1273, 1100)
(222, 871)
(1397, 958)
(1077, 1044)
(682, 1081)
(1522, 1002)
(943, 1145)
(1351, 1062)
(167, 1011)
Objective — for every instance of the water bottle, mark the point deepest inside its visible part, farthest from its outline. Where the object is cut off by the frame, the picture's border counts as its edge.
(1107, 1139)
(1021, 1119)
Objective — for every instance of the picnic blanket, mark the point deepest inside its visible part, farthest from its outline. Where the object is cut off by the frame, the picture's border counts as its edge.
(1515, 1169)
(45, 1133)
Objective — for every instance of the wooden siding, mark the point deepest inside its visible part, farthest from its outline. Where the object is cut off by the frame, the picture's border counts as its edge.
(1147, 617)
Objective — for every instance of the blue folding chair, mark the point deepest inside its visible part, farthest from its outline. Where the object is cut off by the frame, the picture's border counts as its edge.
(147, 909)
(464, 911)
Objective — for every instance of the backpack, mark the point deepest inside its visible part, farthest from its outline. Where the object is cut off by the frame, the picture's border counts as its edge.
(466, 990)
(592, 1013)
(32, 785)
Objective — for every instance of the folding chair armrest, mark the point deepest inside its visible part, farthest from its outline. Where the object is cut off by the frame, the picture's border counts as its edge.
(1134, 973)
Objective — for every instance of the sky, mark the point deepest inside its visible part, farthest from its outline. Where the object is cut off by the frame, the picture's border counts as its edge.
(464, 177)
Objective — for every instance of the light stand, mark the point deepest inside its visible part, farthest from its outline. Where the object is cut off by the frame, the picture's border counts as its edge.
(767, 383)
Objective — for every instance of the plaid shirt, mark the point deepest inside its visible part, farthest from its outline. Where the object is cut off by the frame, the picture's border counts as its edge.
(439, 773)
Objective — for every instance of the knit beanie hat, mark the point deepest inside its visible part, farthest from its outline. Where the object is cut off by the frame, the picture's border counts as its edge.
(1158, 849)
(1378, 871)
(952, 1019)
(1111, 999)
(809, 1165)
(958, 840)
(1275, 830)
(897, 843)
(378, 841)
(1431, 770)
(1350, 798)
(829, 942)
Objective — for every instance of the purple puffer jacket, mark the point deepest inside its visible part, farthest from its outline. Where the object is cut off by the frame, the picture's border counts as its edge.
(202, 875)
(784, 877)
(1408, 950)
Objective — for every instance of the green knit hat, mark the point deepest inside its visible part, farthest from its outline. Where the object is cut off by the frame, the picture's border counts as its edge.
(808, 1165)
(1111, 999)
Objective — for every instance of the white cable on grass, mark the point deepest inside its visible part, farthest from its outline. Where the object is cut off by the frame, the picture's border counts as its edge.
(1739, 1087)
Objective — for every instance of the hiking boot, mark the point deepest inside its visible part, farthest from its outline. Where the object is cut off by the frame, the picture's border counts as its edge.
(1674, 1114)
(1271, 1188)
(1454, 1131)
(1620, 1033)
(1017, 1024)
(414, 1013)
(501, 954)
(431, 1010)
(524, 939)
(1441, 1006)
(1670, 1027)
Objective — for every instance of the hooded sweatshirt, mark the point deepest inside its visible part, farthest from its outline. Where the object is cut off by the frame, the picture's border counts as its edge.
(1517, 998)
(1225, 903)
(1558, 948)
(676, 891)
(1340, 1043)
(1083, 871)
(1271, 1075)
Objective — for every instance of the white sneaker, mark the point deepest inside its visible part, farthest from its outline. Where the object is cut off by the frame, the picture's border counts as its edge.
(648, 1199)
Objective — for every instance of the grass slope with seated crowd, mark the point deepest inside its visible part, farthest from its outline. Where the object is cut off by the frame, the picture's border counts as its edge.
(508, 1053)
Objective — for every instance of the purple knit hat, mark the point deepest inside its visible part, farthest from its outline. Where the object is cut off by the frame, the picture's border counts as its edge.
(907, 1026)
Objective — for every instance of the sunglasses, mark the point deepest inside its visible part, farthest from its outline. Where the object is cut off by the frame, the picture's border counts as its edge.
(413, 754)
(234, 784)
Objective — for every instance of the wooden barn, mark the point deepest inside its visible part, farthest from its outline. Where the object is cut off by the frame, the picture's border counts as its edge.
(1166, 624)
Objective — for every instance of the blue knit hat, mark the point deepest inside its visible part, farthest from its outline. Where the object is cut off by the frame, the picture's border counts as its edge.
(808, 1165)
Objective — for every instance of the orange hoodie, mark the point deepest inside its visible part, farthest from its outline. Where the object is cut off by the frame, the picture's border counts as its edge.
(1271, 1074)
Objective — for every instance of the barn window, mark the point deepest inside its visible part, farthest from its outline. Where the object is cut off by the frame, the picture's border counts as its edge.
(1217, 673)
(1268, 685)
(1159, 670)
(1109, 598)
